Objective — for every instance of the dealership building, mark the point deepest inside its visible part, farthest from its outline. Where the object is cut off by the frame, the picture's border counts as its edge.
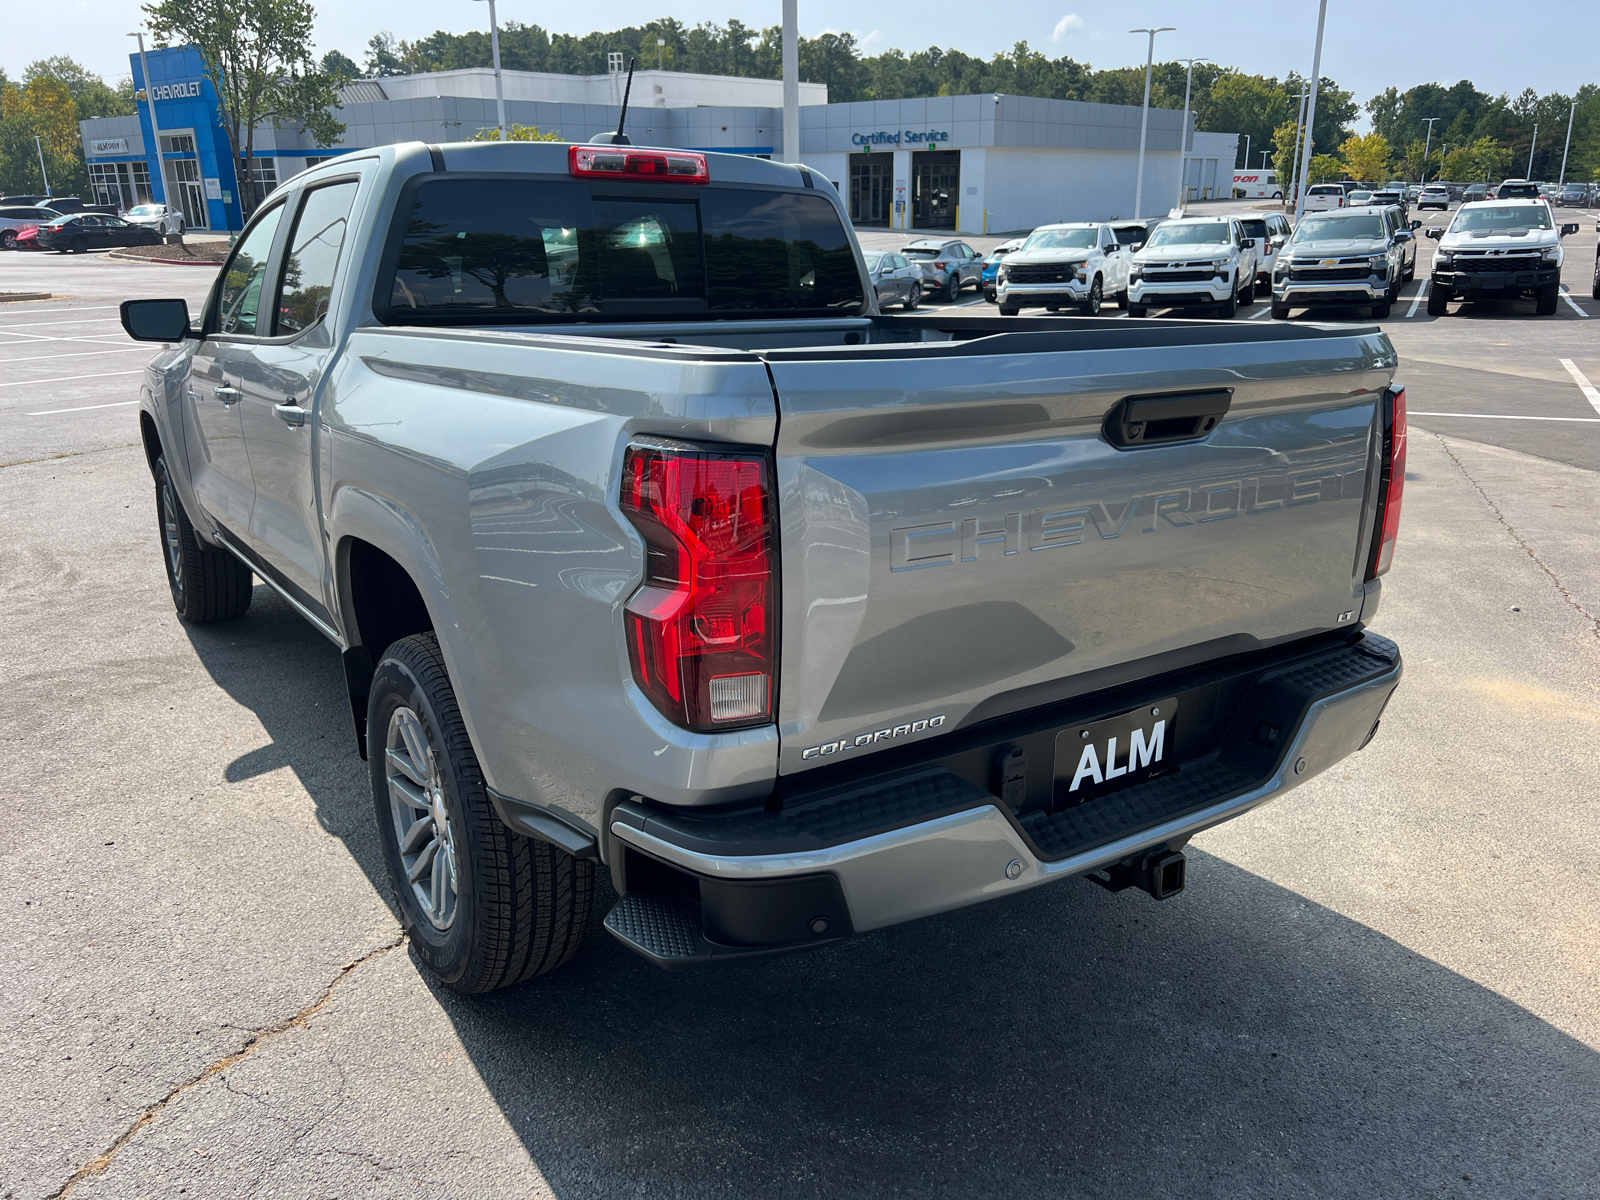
(969, 164)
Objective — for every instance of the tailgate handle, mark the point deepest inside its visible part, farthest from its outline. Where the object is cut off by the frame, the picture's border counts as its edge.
(1159, 420)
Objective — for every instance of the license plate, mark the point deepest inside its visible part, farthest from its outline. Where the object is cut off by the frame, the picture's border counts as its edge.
(1491, 284)
(1092, 760)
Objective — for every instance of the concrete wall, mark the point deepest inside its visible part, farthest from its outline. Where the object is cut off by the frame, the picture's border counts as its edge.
(1026, 188)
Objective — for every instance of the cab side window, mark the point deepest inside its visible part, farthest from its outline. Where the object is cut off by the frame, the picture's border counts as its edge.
(243, 276)
(314, 246)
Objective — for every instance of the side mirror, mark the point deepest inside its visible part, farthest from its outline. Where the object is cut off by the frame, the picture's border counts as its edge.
(1416, 225)
(1435, 234)
(1248, 244)
(1403, 235)
(156, 320)
(1566, 229)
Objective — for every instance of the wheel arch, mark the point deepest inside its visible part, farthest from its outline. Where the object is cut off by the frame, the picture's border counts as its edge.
(150, 436)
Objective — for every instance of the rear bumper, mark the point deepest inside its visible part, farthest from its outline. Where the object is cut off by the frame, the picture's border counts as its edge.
(929, 839)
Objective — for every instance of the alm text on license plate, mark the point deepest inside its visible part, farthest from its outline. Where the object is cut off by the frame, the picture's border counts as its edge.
(1092, 760)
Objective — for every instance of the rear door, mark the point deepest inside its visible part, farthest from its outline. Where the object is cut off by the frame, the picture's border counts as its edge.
(961, 539)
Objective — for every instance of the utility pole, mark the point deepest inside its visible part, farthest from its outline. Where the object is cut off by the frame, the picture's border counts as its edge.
(1247, 152)
(155, 129)
(39, 147)
(1311, 112)
(1564, 152)
(499, 90)
(1531, 146)
(1426, 146)
(1183, 133)
(1144, 120)
(1265, 154)
(791, 80)
(1294, 159)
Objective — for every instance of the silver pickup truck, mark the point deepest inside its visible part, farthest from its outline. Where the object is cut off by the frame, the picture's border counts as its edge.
(651, 546)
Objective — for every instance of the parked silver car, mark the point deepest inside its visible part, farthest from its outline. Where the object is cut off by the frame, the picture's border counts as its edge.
(896, 278)
(17, 218)
(162, 218)
(947, 266)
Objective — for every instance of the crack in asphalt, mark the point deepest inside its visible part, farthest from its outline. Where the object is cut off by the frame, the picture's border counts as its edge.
(22, 462)
(1566, 595)
(257, 1039)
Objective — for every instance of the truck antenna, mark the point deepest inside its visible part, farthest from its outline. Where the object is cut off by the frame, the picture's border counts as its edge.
(622, 139)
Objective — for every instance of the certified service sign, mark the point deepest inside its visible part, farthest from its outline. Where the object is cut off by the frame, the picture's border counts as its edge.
(898, 137)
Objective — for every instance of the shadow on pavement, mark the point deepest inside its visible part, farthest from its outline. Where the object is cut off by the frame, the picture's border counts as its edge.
(1238, 1040)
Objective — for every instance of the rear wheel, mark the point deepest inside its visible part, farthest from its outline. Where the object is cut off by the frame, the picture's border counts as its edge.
(148, 239)
(8, 239)
(914, 297)
(1594, 288)
(1122, 300)
(207, 584)
(1438, 300)
(1248, 296)
(1091, 306)
(952, 289)
(484, 907)
(1548, 298)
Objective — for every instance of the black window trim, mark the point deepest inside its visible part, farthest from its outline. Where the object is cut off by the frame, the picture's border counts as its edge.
(212, 325)
(301, 193)
(394, 240)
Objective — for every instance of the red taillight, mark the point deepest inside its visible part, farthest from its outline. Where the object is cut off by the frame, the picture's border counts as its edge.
(702, 630)
(939, 266)
(658, 166)
(1391, 484)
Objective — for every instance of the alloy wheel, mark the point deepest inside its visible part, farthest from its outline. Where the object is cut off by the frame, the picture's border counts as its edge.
(171, 533)
(421, 818)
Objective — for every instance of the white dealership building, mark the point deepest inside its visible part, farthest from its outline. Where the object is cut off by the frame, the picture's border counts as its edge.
(970, 164)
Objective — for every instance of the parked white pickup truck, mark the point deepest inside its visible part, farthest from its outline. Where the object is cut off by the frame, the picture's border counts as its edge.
(1074, 264)
(648, 542)
(1210, 261)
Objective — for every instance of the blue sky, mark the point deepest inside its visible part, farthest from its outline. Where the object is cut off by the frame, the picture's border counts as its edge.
(1550, 45)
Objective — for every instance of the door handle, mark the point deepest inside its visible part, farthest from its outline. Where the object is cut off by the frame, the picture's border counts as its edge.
(290, 413)
(227, 395)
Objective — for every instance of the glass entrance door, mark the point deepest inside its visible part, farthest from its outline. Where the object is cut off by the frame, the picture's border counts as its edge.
(189, 192)
(936, 178)
(870, 188)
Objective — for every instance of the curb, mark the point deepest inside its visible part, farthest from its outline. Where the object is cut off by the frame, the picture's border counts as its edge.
(9, 297)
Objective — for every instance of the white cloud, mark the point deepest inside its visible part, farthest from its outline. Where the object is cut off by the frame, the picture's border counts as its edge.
(1066, 25)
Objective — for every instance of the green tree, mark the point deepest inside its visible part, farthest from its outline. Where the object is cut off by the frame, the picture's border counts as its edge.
(1245, 104)
(383, 56)
(44, 108)
(1325, 168)
(257, 56)
(337, 65)
(1483, 160)
(517, 133)
(1284, 138)
(1367, 157)
(91, 97)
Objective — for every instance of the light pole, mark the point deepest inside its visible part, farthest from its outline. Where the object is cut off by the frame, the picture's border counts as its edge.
(1294, 158)
(499, 90)
(1426, 146)
(1247, 152)
(791, 80)
(1311, 114)
(1144, 120)
(1531, 146)
(155, 129)
(661, 53)
(43, 174)
(1183, 133)
(1265, 154)
(1570, 115)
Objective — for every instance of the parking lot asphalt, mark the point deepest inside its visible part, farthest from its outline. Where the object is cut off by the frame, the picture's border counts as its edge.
(1386, 984)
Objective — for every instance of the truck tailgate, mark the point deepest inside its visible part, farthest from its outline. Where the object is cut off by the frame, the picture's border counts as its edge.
(960, 539)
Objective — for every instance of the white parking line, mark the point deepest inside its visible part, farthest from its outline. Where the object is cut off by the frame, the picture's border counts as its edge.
(1590, 393)
(1573, 304)
(1504, 417)
(1416, 300)
(68, 379)
(50, 412)
(1256, 316)
(31, 324)
(6, 362)
(90, 308)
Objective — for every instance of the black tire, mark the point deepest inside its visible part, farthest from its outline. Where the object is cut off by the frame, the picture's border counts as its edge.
(1280, 312)
(1380, 310)
(1091, 306)
(914, 298)
(521, 906)
(1009, 311)
(1408, 273)
(1137, 310)
(80, 245)
(148, 239)
(207, 584)
(8, 239)
(1229, 308)
(1122, 300)
(1548, 299)
(1594, 288)
(952, 289)
(1248, 296)
(1438, 300)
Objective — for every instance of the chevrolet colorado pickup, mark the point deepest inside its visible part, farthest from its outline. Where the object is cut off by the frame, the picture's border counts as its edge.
(649, 545)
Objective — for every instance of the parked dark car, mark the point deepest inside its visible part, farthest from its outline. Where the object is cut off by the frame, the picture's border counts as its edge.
(1576, 195)
(81, 232)
(1474, 193)
(21, 200)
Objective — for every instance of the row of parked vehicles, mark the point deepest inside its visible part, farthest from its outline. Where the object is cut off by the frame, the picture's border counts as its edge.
(66, 224)
(1352, 254)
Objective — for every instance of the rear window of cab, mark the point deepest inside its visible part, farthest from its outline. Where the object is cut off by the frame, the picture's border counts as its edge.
(526, 250)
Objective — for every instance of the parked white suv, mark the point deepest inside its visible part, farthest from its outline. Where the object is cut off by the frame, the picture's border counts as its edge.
(1194, 260)
(1079, 263)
